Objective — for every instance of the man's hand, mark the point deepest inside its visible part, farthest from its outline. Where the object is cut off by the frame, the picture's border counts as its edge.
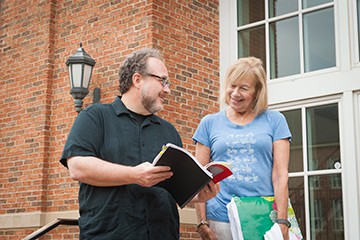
(148, 175)
(208, 192)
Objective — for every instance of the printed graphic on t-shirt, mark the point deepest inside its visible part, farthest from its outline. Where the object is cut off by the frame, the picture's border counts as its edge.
(240, 154)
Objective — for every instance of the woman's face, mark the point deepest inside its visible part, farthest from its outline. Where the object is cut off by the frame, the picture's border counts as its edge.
(241, 96)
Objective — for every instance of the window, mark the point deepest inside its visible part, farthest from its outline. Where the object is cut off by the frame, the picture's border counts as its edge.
(310, 50)
(322, 137)
(298, 36)
(338, 216)
(317, 221)
(315, 170)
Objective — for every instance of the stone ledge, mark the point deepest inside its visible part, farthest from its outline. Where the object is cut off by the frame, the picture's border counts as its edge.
(39, 219)
(34, 219)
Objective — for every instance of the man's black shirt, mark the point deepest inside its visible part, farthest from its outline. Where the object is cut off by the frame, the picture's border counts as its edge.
(108, 132)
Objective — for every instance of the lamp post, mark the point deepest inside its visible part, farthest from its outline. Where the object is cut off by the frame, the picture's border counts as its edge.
(80, 67)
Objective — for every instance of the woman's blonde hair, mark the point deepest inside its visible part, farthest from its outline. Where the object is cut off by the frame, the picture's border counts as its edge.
(249, 67)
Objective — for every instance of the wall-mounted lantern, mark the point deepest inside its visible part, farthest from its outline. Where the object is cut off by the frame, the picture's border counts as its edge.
(80, 67)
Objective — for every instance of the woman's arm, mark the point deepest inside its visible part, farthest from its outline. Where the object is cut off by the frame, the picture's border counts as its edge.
(280, 176)
(202, 154)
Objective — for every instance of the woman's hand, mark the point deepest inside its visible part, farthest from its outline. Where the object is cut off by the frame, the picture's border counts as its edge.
(206, 233)
(284, 231)
(207, 193)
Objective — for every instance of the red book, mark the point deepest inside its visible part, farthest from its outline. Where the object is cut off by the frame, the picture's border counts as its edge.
(219, 170)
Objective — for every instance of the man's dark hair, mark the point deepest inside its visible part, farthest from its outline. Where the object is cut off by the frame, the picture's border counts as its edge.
(136, 62)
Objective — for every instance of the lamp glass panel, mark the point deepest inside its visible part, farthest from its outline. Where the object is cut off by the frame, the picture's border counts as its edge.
(87, 75)
(76, 75)
(70, 76)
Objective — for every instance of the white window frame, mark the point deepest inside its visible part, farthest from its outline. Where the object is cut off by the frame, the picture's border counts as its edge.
(303, 106)
(321, 83)
(349, 169)
(354, 34)
(341, 83)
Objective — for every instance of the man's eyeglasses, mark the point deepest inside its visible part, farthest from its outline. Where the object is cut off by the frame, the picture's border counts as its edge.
(164, 80)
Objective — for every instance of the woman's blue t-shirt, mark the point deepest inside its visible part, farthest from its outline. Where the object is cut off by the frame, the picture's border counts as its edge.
(248, 149)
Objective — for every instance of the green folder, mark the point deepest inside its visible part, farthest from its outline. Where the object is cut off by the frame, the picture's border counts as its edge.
(254, 214)
(257, 215)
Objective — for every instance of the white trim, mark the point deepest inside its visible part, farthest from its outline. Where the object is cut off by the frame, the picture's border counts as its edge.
(357, 142)
(228, 46)
(341, 57)
(33, 219)
(311, 102)
(350, 176)
(349, 125)
(39, 219)
(339, 84)
(354, 34)
(188, 216)
(318, 84)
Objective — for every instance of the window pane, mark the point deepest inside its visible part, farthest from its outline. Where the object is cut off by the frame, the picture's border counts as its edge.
(293, 119)
(323, 137)
(312, 3)
(251, 42)
(326, 208)
(296, 195)
(284, 48)
(279, 7)
(249, 11)
(319, 40)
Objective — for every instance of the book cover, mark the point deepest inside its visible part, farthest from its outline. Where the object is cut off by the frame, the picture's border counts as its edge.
(219, 170)
(189, 175)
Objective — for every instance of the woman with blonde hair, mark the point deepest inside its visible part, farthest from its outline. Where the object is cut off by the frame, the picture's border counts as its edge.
(253, 139)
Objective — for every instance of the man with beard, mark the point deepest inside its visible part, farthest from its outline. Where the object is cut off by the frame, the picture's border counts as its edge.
(110, 149)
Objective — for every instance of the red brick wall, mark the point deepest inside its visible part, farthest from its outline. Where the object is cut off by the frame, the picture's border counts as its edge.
(27, 68)
(37, 111)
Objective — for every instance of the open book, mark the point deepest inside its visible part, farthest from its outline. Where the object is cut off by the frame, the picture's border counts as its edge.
(189, 175)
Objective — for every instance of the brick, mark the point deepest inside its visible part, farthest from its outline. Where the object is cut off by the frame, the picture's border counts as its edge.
(37, 110)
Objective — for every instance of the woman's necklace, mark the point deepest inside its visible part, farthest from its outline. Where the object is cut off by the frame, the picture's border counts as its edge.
(243, 116)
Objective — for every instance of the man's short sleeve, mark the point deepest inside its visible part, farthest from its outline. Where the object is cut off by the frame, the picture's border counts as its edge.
(85, 136)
